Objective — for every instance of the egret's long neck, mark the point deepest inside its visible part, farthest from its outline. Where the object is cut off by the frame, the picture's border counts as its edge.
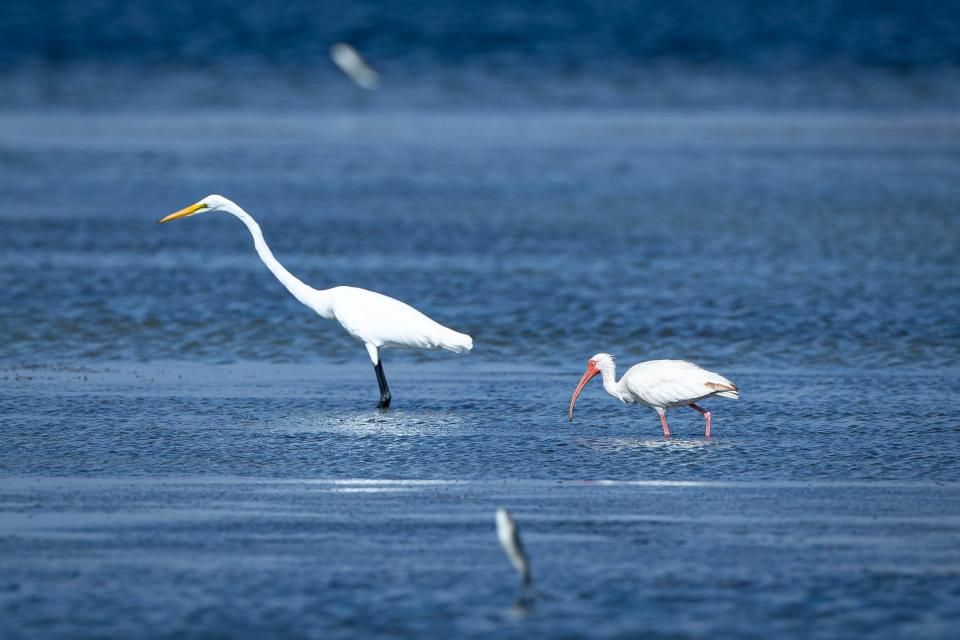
(610, 385)
(313, 298)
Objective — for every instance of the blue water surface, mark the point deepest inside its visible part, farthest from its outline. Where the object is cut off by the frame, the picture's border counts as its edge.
(187, 451)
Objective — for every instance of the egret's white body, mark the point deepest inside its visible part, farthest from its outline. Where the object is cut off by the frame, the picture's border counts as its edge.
(374, 319)
(660, 384)
(382, 322)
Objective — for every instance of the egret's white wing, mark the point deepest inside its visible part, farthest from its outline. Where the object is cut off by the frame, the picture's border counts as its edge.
(382, 321)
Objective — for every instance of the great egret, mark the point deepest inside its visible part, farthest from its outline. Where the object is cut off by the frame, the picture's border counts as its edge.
(372, 318)
(661, 384)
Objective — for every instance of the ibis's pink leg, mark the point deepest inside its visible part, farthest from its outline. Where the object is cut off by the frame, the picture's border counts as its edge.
(706, 414)
(663, 421)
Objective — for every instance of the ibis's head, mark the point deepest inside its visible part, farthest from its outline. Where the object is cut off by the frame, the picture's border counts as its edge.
(210, 203)
(596, 364)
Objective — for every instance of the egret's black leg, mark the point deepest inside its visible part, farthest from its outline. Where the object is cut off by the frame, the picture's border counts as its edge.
(384, 388)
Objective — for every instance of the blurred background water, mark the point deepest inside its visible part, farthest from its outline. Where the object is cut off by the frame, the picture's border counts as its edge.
(769, 189)
(497, 54)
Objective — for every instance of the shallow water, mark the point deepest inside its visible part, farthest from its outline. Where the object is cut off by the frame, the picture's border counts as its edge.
(187, 450)
(322, 558)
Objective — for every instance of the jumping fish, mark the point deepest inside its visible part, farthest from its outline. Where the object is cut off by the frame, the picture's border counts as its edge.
(509, 536)
(353, 64)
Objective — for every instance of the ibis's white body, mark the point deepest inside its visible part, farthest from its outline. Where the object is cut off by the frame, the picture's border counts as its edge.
(665, 384)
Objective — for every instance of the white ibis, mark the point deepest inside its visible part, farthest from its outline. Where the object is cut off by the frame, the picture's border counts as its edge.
(661, 384)
(372, 318)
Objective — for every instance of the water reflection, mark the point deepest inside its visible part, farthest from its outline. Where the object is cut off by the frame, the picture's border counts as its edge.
(375, 422)
(524, 605)
(670, 444)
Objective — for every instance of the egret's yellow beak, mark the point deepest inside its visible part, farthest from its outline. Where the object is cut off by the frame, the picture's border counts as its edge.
(183, 213)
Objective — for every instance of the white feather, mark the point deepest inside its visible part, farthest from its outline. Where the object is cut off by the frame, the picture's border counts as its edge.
(672, 383)
(373, 318)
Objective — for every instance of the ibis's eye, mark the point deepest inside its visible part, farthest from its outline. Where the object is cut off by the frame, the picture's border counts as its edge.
(592, 363)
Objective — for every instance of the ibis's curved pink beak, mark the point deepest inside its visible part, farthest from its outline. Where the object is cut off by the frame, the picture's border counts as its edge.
(591, 371)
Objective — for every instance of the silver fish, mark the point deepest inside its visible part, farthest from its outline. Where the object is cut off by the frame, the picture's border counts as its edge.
(509, 536)
(353, 64)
